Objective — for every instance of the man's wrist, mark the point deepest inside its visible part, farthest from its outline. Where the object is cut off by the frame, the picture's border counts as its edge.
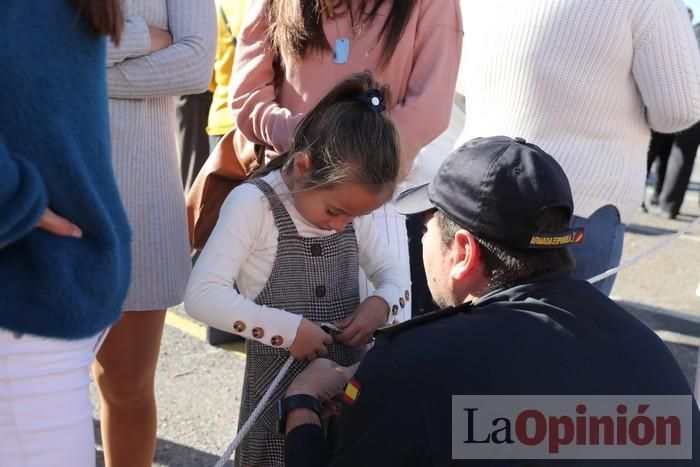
(290, 403)
(301, 416)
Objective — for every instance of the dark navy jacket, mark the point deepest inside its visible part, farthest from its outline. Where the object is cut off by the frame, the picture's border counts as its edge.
(544, 337)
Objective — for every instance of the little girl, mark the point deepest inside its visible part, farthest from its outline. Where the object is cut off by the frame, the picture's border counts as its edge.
(284, 255)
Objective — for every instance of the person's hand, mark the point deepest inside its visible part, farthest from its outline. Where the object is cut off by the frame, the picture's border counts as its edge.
(361, 324)
(310, 341)
(57, 225)
(160, 38)
(322, 379)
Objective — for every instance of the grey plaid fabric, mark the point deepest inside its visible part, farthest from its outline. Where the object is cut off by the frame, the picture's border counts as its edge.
(313, 277)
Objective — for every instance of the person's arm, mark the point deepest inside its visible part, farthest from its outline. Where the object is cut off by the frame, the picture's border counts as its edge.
(373, 424)
(211, 296)
(425, 112)
(305, 445)
(182, 68)
(252, 96)
(380, 266)
(391, 287)
(666, 65)
(23, 197)
(135, 42)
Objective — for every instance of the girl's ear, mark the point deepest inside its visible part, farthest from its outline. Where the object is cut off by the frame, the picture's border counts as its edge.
(302, 164)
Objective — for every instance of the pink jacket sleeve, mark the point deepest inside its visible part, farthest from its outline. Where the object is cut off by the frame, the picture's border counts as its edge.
(252, 88)
(425, 112)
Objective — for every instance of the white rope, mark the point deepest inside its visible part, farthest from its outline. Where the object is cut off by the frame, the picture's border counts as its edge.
(659, 245)
(256, 413)
(265, 399)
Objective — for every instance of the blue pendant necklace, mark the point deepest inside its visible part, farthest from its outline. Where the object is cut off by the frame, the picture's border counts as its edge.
(341, 48)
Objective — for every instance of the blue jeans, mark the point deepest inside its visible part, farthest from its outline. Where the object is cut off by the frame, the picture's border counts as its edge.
(601, 248)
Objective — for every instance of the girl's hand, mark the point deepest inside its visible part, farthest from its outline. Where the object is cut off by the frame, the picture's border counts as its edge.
(160, 38)
(361, 324)
(310, 341)
(58, 225)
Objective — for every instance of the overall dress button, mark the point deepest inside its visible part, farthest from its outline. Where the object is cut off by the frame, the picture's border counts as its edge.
(395, 310)
(258, 333)
(320, 291)
(407, 295)
(402, 302)
(315, 249)
(239, 326)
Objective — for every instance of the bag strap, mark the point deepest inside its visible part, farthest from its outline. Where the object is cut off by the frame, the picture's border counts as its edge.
(234, 40)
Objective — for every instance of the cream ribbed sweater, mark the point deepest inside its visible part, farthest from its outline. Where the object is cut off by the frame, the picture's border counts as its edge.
(585, 80)
(142, 119)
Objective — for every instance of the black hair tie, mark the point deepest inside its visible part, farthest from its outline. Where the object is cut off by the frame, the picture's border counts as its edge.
(374, 99)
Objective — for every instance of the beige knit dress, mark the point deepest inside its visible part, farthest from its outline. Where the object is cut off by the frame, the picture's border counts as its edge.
(142, 87)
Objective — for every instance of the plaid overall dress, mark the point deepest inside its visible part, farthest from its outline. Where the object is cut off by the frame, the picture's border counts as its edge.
(316, 278)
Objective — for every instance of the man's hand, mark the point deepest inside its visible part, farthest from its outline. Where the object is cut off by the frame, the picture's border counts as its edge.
(160, 38)
(361, 324)
(322, 379)
(58, 225)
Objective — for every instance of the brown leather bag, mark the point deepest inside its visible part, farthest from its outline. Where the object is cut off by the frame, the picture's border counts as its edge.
(229, 164)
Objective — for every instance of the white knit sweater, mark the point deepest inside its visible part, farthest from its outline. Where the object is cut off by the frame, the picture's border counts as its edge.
(585, 80)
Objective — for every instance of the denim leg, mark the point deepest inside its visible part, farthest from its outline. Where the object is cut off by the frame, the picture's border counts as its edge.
(601, 248)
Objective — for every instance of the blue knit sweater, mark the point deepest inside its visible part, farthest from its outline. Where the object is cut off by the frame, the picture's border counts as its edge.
(55, 152)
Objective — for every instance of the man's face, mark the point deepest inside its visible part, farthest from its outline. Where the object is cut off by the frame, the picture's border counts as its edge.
(437, 262)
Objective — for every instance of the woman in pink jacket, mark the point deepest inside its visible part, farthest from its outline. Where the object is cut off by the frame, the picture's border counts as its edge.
(291, 53)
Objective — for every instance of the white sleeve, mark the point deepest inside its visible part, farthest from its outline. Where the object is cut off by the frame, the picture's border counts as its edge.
(380, 267)
(666, 66)
(211, 296)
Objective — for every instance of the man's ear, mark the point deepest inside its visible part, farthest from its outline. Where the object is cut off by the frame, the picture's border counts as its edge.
(466, 256)
(302, 164)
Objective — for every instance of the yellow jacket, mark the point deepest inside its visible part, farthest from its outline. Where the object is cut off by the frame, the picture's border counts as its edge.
(229, 15)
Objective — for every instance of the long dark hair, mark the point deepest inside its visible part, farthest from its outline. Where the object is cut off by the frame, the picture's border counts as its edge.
(104, 16)
(347, 136)
(297, 25)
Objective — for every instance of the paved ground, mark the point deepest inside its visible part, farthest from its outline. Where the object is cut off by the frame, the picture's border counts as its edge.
(199, 386)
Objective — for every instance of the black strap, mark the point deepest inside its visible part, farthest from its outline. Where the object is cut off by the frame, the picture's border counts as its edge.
(228, 25)
(296, 401)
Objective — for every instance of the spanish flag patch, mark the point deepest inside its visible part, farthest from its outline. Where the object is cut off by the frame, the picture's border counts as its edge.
(352, 392)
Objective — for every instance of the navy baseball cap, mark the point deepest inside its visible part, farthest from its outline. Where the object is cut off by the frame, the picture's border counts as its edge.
(496, 188)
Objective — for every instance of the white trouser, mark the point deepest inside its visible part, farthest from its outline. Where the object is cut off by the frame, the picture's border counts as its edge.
(391, 226)
(45, 409)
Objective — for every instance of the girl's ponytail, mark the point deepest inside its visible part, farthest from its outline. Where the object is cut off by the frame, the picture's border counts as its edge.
(347, 136)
